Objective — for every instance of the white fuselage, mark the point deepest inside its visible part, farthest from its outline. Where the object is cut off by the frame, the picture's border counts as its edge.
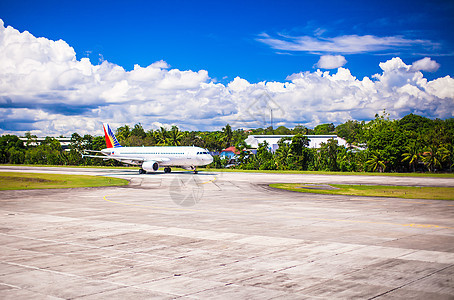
(166, 155)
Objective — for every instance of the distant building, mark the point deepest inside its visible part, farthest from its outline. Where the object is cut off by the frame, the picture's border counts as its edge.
(315, 141)
(229, 153)
(64, 141)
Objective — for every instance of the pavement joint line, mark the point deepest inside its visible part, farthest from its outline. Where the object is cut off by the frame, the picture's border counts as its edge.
(414, 225)
(135, 287)
(122, 251)
(12, 285)
(46, 240)
(44, 269)
(88, 246)
(410, 282)
(44, 296)
(176, 208)
(201, 291)
(119, 284)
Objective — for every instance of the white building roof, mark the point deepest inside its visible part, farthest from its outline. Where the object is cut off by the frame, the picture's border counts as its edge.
(314, 140)
(64, 141)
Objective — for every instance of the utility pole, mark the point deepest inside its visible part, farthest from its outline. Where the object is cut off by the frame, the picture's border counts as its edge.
(271, 113)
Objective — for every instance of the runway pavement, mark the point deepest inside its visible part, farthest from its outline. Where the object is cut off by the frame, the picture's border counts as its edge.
(223, 236)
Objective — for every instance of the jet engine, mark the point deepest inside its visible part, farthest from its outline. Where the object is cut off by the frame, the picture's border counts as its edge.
(150, 166)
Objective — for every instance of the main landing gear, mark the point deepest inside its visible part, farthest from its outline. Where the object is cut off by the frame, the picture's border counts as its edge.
(191, 168)
(168, 170)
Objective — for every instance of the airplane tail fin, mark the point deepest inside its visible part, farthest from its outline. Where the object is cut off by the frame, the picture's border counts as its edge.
(111, 140)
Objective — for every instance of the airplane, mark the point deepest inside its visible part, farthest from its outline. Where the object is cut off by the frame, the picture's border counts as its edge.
(150, 159)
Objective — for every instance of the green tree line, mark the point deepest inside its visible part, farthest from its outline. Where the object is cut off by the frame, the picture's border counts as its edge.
(410, 144)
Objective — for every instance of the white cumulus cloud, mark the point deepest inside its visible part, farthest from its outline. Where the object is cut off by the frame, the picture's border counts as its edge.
(425, 64)
(331, 61)
(46, 90)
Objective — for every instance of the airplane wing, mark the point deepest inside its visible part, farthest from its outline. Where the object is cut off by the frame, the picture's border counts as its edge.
(94, 151)
(96, 156)
(126, 158)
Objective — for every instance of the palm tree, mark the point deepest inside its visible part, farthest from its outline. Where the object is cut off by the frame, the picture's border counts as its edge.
(123, 133)
(227, 135)
(31, 139)
(376, 162)
(412, 155)
(329, 151)
(283, 154)
(432, 158)
(447, 155)
(174, 136)
(161, 136)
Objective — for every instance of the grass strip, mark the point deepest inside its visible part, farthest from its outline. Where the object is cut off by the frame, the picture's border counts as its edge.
(25, 181)
(437, 175)
(405, 192)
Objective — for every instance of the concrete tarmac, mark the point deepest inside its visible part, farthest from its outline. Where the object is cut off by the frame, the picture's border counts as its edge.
(223, 236)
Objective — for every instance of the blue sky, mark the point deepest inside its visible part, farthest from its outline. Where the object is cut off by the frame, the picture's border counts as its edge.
(223, 36)
(227, 48)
